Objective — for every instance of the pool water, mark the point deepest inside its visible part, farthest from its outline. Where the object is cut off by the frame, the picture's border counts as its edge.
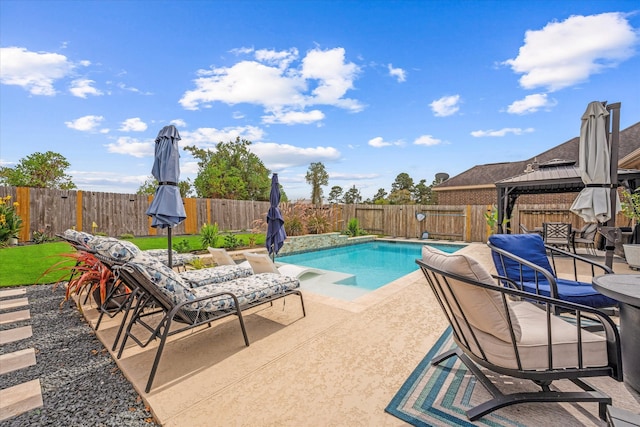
(373, 264)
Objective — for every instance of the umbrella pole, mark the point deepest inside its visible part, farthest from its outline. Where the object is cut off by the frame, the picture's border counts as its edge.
(614, 137)
(170, 252)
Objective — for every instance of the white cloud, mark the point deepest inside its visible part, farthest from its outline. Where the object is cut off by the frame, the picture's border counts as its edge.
(210, 137)
(105, 181)
(445, 106)
(334, 77)
(86, 123)
(280, 156)
(36, 72)
(133, 124)
(132, 89)
(398, 73)
(293, 117)
(500, 133)
(531, 104)
(82, 87)
(322, 77)
(341, 176)
(132, 147)
(427, 140)
(281, 59)
(565, 53)
(178, 123)
(242, 50)
(379, 142)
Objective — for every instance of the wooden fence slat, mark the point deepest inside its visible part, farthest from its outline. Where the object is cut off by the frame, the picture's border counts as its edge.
(116, 214)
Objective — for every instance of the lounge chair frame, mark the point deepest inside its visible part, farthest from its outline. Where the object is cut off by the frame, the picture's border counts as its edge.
(150, 296)
(464, 337)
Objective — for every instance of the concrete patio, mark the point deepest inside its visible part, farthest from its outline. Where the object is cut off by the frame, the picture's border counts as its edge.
(338, 366)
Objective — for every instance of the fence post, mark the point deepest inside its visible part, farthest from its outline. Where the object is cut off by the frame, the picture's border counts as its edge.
(23, 198)
(79, 210)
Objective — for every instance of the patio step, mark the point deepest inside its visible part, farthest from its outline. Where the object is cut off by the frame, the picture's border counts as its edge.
(20, 398)
(17, 360)
(26, 396)
(15, 334)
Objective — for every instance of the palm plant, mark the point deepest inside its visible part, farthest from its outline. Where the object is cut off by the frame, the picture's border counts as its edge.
(87, 274)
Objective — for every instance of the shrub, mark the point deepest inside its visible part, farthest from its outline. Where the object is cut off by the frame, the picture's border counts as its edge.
(127, 236)
(182, 246)
(353, 228)
(209, 235)
(10, 221)
(231, 241)
(41, 236)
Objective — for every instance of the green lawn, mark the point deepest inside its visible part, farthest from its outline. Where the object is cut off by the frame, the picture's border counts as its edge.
(24, 265)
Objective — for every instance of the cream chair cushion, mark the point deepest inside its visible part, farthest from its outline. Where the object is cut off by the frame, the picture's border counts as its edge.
(533, 343)
(220, 256)
(483, 308)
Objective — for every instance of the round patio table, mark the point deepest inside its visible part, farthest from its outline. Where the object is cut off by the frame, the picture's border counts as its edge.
(625, 288)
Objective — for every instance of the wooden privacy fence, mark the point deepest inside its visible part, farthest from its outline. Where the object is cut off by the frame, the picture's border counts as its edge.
(114, 214)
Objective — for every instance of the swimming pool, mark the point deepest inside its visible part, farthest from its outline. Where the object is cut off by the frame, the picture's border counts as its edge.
(372, 264)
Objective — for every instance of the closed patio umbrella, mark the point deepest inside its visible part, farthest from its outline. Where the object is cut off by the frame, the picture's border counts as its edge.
(275, 223)
(593, 203)
(167, 209)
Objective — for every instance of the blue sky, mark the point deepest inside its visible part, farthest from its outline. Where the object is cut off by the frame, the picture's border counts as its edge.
(369, 88)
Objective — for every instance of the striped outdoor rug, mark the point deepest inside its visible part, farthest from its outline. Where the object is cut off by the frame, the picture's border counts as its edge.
(440, 395)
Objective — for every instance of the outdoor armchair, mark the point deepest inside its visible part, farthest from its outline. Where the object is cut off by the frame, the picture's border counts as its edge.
(557, 234)
(514, 333)
(585, 236)
(522, 258)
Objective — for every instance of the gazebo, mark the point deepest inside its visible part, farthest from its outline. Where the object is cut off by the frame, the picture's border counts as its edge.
(555, 176)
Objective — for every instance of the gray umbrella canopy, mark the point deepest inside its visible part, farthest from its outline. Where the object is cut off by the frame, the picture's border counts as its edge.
(593, 203)
(275, 223)
(167, 209)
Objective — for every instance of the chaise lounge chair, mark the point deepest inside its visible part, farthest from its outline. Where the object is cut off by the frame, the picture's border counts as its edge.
(497, 328)
(163, 291)
(522, 258)
(81, 240)
(262, 263)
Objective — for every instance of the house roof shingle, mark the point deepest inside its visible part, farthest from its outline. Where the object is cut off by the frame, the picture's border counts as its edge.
(489, 174)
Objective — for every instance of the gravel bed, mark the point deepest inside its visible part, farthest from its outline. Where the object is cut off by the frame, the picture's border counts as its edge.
(81, 383)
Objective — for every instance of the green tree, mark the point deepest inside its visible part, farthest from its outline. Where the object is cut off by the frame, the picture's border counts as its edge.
(230, 172)
(352, 196)
(403, 182)
(317, 176)
(422, 193)
(401, 197)
(151, 184)
(380, 198)
(335, 195)
(40, 170)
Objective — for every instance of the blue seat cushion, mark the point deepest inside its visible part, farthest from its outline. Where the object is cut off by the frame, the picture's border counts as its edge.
(572, 291)
(526, 246)
(531, 248)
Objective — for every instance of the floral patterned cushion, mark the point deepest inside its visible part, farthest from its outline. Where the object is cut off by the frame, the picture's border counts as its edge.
(78, 236)
(248, 289)
(159, 252)
(176, 258)
(223, 273)
(113, 248)
(168, 281)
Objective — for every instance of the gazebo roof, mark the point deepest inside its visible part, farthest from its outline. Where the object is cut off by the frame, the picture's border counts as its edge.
(563, 178)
